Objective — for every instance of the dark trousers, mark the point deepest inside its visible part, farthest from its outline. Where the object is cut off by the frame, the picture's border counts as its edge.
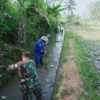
(28, 95)
(38, 59)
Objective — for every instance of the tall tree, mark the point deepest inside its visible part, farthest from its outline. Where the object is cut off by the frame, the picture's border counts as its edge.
(95, 10)
(22, 23)
(24, 5)
(69, 7)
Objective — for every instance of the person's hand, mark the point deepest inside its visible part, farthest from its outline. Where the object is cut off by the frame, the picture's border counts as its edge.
(10, 67)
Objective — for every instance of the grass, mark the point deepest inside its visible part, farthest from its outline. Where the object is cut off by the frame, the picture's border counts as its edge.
(88, 32)
(60, 70)
(86, 69)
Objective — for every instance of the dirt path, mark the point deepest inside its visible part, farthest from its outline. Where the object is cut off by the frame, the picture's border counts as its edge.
(91, 36)
(73, 82)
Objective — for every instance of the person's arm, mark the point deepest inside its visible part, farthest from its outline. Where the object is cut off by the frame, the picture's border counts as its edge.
(8, 67)
(41, 48)
(14, 66)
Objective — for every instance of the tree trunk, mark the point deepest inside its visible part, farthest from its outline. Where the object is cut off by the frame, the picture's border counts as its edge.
(22, 25)
(22, 30)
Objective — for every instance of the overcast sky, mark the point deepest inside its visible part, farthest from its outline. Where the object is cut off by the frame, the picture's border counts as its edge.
(82, 6)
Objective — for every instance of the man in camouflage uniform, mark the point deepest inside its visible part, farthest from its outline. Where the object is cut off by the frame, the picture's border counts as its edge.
(28, 77)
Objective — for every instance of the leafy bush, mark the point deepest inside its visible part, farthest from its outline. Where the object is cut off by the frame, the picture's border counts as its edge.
(38, 23)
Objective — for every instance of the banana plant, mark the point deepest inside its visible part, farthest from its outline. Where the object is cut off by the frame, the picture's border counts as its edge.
(55, 9)
(40, 6)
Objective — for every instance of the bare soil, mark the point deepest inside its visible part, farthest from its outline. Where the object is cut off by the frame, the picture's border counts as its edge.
(86, 31)
(72, 84)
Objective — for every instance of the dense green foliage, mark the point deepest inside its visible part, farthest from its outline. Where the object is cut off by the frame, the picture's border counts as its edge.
(35, 17)
(21, 24)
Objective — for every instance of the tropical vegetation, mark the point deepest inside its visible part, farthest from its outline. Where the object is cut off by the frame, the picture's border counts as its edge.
(22, 22)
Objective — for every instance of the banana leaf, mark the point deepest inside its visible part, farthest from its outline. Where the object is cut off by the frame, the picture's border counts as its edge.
(4, 26)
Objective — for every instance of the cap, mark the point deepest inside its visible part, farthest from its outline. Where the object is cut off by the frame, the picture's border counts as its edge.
(44, 38)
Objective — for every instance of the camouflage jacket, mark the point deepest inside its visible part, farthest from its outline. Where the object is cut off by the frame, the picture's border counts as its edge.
(28, 75)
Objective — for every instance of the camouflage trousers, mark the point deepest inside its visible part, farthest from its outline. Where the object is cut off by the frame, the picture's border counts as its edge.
(27, 95)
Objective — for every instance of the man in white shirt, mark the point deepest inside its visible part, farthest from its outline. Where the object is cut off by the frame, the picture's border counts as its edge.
(48, 37)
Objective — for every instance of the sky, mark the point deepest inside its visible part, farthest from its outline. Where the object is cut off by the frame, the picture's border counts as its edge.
(82, 6)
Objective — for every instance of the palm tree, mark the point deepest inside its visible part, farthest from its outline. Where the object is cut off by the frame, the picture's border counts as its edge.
(95, 10)
(70, 6)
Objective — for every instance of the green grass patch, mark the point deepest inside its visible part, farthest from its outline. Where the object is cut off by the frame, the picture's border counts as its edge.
(86, 69)
(60, 70)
